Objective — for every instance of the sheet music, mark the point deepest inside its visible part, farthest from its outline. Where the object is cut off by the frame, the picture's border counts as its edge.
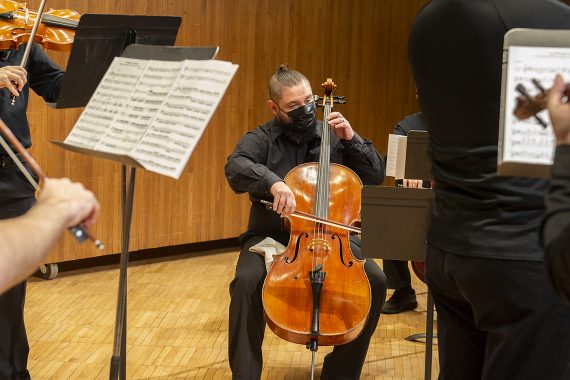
(108, 100)
(157, 114)
(396, 156)
(526, 141)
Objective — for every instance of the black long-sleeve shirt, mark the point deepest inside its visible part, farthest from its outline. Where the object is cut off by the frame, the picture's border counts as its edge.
(265, 155)
(44, 78)
(556, 227)
(456, 50)
(413, 122)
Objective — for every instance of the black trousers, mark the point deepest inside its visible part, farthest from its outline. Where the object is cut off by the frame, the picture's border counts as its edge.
(247, 324)
(497, 319)
(16, 197)
(397, 273)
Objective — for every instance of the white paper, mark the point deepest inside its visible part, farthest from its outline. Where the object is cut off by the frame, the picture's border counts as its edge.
(526, 141)
(396, 156)
(157, 113)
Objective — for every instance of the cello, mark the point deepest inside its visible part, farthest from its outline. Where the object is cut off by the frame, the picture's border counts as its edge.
(316, 292)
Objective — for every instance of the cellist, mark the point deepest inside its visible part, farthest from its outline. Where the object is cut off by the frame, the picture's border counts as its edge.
(257, 166)
(17, 195)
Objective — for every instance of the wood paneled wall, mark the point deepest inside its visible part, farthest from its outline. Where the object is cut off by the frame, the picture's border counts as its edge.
(361, 44)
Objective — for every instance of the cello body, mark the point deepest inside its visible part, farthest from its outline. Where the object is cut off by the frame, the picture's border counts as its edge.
(345, 297)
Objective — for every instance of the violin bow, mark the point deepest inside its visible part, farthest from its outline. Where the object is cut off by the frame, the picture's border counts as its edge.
(314, 218)
(31, 40)
(80, 232)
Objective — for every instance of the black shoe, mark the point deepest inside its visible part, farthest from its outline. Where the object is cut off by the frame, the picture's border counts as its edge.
(400, 301)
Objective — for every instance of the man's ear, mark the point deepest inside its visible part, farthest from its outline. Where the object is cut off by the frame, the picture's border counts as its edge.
(272, 107)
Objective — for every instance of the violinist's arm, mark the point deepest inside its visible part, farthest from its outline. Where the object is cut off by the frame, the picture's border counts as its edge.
(26, 240)
(45, 76)
(556, 225)
(13, 78)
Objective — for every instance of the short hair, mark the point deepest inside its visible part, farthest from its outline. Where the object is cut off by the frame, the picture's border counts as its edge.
(284, 77)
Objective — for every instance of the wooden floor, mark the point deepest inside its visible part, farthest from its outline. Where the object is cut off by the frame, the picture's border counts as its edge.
(177, 327)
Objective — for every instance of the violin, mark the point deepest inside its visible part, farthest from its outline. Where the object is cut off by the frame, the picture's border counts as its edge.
(55, 32)
(316, 292)
(529, 106)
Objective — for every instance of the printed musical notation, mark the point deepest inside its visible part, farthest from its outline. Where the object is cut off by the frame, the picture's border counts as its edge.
(525, 141)
(153, 111)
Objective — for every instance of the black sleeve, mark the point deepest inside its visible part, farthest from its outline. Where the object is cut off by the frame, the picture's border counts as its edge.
(556, 225)
(399, 130)
(245, 168)
(44, 75)
(534, 14)
(361, 156)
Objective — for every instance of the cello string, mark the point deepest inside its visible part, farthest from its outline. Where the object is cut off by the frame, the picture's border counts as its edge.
(317, 201)
(324, 177)
(320, 182)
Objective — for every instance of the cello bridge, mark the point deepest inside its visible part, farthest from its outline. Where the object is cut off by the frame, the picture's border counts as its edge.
(319, 244)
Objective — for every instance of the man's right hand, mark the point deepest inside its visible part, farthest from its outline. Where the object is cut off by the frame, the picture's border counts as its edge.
(71, 201)
(13, 78)
(283, 199)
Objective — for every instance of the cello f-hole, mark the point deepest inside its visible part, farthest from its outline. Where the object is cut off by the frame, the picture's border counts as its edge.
(305, 235)
(341, 254)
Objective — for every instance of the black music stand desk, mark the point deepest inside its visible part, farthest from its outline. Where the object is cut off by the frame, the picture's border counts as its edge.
(394, 225)
(98, 40)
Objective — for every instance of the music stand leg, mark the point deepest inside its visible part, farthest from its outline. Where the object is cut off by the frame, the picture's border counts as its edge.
(119, 357)
(429, 336)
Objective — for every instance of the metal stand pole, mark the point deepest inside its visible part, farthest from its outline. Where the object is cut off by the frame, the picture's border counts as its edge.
(119, 358)
(429, 336)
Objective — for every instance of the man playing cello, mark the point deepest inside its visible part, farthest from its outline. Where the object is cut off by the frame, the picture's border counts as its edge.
(258, 165)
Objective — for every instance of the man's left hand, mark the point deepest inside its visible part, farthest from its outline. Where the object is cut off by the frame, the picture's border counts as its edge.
(340, 126)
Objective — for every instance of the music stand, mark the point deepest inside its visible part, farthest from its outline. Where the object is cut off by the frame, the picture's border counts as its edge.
(99, 39)
(395, 222)
(166, 53)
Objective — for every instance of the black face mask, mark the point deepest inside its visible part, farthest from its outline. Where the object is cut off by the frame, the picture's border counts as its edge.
(303, 118)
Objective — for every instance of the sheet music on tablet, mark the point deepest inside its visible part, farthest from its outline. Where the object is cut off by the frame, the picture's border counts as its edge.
(526, 141)
(152, 111)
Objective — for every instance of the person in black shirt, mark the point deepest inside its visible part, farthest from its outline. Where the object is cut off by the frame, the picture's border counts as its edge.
(498, 315)
(17, 195)
(397, 272)
(556, 226)
(257, 166)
